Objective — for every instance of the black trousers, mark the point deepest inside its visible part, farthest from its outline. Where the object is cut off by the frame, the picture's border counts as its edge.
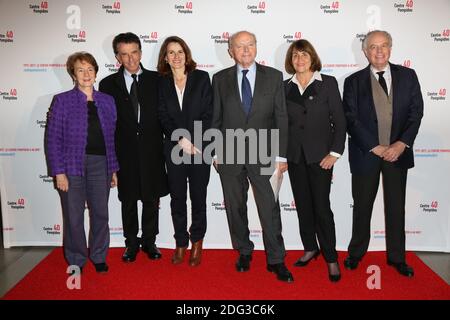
(235, 191)
(197, 175)
(364, 190)
(311, 188)
(149, 225)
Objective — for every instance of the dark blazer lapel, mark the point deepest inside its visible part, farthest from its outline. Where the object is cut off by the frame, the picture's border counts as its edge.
(316, 89)
(318, 86)
(258, 92)
(395, 94)
(288, 87)
(187, 89)
(366, 87)
(171, 91)
(120, 81)
(142, 84)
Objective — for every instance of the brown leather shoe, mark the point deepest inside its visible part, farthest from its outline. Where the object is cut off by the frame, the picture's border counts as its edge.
(178, 255)
(196, 253)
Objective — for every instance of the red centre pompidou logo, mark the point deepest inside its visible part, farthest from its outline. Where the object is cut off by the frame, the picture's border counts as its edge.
(409, 4)
(154, 35)
(335, 5)
(116, 5)
(434, 204)
(262, 5)
(44, 5)
(189, 5)
(442, 92)
(225, 35)
(13, 92)
(446, 33)
(297, 35)
(407, 63)
(9, 34)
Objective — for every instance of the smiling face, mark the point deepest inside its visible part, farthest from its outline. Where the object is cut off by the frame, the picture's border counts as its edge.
(378, 50)
(175, 56)
(84, 74)
(301, 60)
(129, 55)
(243, 49)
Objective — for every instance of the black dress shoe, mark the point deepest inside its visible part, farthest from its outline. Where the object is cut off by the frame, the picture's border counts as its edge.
(334, 274)
(243, 263)
(304, 263)
(152, 251)
(101, 267)
(281, 271)
(130, 254)
(402, 268)
(351, 263)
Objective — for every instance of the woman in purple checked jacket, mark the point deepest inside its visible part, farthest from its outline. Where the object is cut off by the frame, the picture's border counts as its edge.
(81, 157)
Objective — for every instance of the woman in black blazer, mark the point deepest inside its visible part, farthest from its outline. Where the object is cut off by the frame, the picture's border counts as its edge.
(185, 97)
(316, 140)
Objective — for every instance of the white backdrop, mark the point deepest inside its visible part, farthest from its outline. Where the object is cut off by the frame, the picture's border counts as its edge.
(36, 38)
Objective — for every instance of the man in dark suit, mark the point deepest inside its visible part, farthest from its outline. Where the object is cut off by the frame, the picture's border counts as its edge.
(139, 145)
(384, 107)
(250, 97)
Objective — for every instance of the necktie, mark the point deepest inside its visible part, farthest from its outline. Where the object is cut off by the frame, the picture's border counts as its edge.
(382, 82)
(246, 93)
(134, 95)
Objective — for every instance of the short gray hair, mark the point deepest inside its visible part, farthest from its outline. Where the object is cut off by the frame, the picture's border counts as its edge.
(234, 35)
(369, 34)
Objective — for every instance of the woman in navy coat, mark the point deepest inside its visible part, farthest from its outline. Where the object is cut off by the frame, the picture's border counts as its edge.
(185, 98)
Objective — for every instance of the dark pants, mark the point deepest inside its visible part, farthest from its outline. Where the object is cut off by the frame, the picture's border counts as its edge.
(149, 225)
(93, 187)
(311, 188)
(364, 190)
(235, 190)
(197, 175)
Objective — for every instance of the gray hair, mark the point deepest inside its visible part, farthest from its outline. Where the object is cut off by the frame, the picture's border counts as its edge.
(234, 35)
(369, 34)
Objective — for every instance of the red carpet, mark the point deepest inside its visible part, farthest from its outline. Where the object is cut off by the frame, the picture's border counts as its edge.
(216, 279)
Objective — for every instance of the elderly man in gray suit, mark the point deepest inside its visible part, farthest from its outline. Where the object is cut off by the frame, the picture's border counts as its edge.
(249, 98)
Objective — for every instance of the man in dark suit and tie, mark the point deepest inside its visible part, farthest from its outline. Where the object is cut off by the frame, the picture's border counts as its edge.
(250, 97)
(384, 107)
(139, 145)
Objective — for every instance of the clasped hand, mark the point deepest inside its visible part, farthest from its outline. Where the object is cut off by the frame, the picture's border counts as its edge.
(390, 153)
